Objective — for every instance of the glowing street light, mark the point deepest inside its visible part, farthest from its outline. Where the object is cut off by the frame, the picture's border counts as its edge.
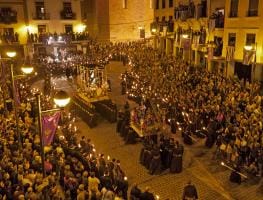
(11, 54)
(248, 47)
(185, 36)
(61, 99)
(27, 69)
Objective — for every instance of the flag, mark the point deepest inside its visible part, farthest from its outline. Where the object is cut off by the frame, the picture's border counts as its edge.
(230, 53)
(17, 95)
(196, 40)
(210, 53)
(249, 56)
(211, 25)
(3, 72)
(50, 124)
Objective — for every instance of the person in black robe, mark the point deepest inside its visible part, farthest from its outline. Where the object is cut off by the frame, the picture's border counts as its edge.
(135, 192)
(235, 176)
(177, 160)
(190, 192)
(155, 165)
(147, 195)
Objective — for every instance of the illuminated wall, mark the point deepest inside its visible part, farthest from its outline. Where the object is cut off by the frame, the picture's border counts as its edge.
(128, 17)
(29, 22)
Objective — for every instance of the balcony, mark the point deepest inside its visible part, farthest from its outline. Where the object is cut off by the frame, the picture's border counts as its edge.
(8, 16)
(252, 13)
(184, 12)
(219, 19)
(68, 15)
(41, 16)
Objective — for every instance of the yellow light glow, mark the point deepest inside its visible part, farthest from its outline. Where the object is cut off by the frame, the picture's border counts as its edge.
(80, 28)
(27, 69)
(185, 36)
(11, 54)
(154, 30)
(61, 99)
(248, 47)
(140, 27)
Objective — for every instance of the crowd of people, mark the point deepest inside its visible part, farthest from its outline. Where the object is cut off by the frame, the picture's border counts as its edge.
(9, 37)
(73, 168)
(227, 111)
(47, 38)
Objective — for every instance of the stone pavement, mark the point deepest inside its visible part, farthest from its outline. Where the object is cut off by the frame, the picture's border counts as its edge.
(210, 178)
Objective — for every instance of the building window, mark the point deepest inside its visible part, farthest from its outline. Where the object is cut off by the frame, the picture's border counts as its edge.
(233, 8)
(67, 7)
(232, 39)
(124, 4)
(163, 3)
(250, 39)
(171, 3)
(68, 28)
(157, 4)
(163, 19)
(252, 8)
(42, 29)
(157, 19)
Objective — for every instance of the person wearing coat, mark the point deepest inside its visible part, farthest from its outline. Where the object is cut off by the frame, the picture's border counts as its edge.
(190, 192)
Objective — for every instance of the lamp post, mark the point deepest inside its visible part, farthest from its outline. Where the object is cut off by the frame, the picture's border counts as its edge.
(61, 99)
(26, 70)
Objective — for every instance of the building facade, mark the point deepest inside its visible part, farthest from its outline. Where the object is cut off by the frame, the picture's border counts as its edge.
(30, 21)
(119, 20)
(224, 36)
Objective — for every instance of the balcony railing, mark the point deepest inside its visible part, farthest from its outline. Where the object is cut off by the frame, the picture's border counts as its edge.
(184, 12)
(41, 16)
(8, 16)
(9, 38)
(67, 15)
(252, 13)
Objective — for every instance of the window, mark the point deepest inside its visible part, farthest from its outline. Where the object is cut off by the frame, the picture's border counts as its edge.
(157, 19)
(124, 4)
(252, 8)
(233, 8)
(42, 28)
(40, 10)
(163, 19)
(250, 39)
(69, 28)
(232, 39)
(170, 18)
(157, 4)
(171, 3)
(163, 3)
(67, 7)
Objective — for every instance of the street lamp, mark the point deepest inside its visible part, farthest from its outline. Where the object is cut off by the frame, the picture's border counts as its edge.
(61, 99)
(27, 69)
(12, 54)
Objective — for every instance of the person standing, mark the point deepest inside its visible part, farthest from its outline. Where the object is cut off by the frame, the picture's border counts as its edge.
(190, 192)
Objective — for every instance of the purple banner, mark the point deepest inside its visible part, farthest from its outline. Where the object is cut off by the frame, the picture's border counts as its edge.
(17, 95)
(3, 72)
(49, 126)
